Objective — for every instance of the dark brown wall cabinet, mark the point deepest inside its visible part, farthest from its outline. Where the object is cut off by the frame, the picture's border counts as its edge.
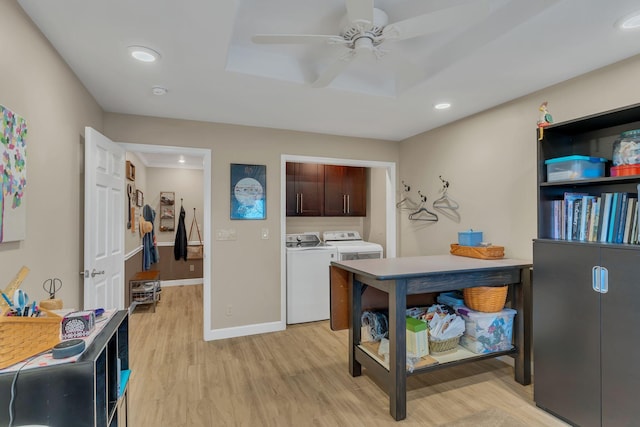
(345, 191)
(326, 190)
(585, 293)
(305, 189)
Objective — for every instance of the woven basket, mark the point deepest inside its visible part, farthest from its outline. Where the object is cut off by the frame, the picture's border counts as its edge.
(481, 252)
(439, 346)
(23, 337)
(488, 299)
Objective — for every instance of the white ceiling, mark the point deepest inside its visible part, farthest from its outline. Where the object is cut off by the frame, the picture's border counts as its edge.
(214, 72)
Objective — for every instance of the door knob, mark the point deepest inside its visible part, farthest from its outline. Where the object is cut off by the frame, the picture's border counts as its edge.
(95, 273)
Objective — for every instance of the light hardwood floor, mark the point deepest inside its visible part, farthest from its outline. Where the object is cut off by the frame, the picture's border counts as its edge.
(297, 377)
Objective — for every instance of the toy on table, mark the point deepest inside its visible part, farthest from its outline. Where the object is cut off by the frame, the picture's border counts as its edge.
(544, 119)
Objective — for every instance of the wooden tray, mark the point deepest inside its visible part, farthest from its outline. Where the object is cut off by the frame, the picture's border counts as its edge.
(482, 252)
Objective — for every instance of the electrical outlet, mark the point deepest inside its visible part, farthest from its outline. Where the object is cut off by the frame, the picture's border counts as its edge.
(191, 267)
(229, 310)
(265, 233)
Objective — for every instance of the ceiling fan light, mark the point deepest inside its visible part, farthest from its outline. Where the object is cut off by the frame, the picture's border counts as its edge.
(629, 22)
(442, 106)
(143, 54)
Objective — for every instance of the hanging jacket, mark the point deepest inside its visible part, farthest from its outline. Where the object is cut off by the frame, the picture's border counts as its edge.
(150, 253)
(180, 246)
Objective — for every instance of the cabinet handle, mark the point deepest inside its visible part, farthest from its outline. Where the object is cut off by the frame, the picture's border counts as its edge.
(595, 278)
(348, 203)
(297, 202)
(600, 279)
(301, 202)
(604, 280)
(344, 203)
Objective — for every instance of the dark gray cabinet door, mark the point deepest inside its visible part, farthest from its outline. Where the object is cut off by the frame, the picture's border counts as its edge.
(566, 331)
(621, 338)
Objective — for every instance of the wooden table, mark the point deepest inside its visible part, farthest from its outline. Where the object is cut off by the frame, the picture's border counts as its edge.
(399, 277)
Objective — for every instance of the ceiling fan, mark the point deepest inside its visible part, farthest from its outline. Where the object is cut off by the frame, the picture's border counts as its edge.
(366, 28)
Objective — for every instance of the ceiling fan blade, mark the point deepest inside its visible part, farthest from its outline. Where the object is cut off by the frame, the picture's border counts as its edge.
(296, 39)
(437, 21)
(360, 10)
(334, 69)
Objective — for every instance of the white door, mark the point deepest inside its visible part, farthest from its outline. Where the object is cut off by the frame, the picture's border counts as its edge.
(103, 222)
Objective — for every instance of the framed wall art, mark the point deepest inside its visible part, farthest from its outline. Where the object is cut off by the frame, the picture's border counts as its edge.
(13, 176)
(139, 198)
(248, 191)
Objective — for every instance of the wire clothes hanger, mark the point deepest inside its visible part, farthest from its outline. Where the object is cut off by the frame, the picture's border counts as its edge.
(406, 202)
(445, 202)
(423, 214)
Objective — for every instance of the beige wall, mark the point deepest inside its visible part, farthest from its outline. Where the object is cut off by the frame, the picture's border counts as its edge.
(36, 84)
(132, 239)
(187, 185)
(245, 273)
(490, 161)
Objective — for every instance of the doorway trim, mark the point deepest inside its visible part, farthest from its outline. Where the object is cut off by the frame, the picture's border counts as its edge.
(206, 154)
(390, 227)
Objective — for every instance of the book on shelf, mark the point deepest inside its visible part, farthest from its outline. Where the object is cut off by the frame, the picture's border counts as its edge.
(607, 218)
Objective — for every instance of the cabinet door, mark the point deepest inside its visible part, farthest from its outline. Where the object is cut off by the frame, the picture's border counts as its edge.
(305, 189)
(566, 331)
(345, 191)
(620, 345)
(356, 190)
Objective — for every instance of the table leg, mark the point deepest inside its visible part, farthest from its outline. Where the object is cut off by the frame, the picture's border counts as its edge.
(398, 350)
(522, 330)
(355, 302)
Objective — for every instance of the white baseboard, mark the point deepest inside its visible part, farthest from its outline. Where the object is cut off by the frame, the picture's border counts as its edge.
(241, 331)
(181, 282)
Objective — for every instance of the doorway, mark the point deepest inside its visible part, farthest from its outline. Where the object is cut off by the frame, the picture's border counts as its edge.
(389, 169)
(163, 156)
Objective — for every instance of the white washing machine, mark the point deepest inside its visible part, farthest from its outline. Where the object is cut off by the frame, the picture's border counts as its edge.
(308, 282)
(351, 246)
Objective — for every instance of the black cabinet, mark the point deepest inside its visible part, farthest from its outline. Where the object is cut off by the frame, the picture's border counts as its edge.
(80, 394)
(585, 293)
(305, 189)
(585, 354)
(345, 191)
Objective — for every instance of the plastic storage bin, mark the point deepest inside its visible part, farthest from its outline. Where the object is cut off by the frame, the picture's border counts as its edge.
(452, 299)
(469, 238)
(574, 167)
(625, 170)
(487, 332)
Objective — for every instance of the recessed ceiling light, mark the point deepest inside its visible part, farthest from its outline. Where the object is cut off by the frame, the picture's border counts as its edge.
(442, 106)
(144, 54)
(159, 90)
(629, 22)
(181, 159)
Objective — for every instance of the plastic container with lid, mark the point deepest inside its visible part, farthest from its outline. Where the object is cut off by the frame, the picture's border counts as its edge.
(626, 149)
(469, 238)
(574, 167)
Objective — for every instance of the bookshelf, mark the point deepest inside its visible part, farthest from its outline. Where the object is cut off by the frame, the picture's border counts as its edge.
(585, 280)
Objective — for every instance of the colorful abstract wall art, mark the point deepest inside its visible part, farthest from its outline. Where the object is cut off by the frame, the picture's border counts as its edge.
(13, 176)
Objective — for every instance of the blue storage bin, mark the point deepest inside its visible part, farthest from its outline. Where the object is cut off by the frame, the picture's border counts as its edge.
(574, 167)
(469, 238)
(452, 299)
